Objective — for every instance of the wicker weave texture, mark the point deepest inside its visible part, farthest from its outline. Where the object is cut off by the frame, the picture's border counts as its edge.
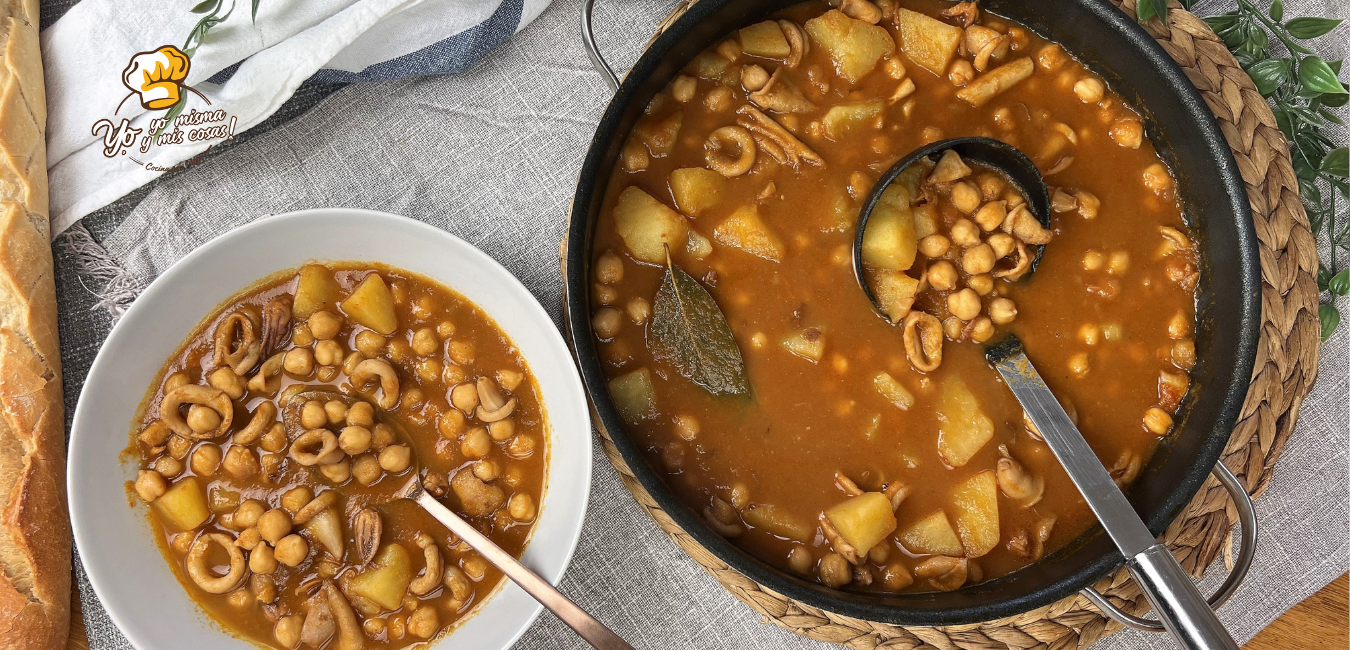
(1286, 367)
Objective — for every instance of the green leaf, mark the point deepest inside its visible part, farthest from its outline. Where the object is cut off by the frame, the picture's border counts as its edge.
(255, 11)
(1147, 9)
(1330, 318)
(1340, 283)
(1335, 65)
(1310, 27)
(1333, 100)
(205, 6)
(1277, 10)
(1317, 75)
(1256, 40)
(1269, 75)
(1222, 22)
(1335, 163)
(1282, 121)
(1323, 277)
(690, 332)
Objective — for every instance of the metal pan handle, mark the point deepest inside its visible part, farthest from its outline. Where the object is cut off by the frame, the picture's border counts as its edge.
(597, 59)
(1247, 518)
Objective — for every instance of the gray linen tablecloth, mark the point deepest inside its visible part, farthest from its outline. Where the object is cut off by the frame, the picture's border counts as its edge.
(491, 155)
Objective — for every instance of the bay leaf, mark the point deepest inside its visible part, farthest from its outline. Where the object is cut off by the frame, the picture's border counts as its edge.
(689, 332)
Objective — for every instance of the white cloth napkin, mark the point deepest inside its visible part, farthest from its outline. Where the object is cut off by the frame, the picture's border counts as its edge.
(86, 51)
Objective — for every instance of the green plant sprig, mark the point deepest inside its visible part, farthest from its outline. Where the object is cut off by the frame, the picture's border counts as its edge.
(1303, 90)
(195, 38)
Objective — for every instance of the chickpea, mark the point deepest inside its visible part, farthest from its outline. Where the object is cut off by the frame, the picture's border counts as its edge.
(395, 458)
(462, 352)
(1089, 334)
(247, 514)
(354, 440)
(337, 472)
(942, 275)
(328, 353)
(487, 470)
(961, 73)
(1179, 327)
(312, 415)
(381, 436)
(225, 380)
(298, 362)
(800, 560)
(150, 485)
(296, 498)
(301, 336)
(464, 397)
(934, 246)
(1088, 204)
(350, 362)
(740, 496)
(1128, 133)
(1183, 354)
(878, 554)
(982, 284)
(965, 233)
(1002, 311)
(1118, 263)
(991, 215)
(521, 507)
(513, 476)
(476, 444)
(639, 310)
(249, 539)
(606, 322)
(453, 375)
(978, 259)
(834, 570)
(964, 304)
(262, 587)
(1093, 260)
(291, 550)
(175, 380)
(718, 99)
(966, 197)
(398, 350)
(239, 598)
(1051, 57)
(206, 460)
(451, 424)
(686, 427)
(179, 447)
(361, 414)
(1079, 365)
(424, 342)
(606, 295)
(202, 419)
(397, 628)
(1156, 178)
(682, 89)
(502, 430)
(181, 542)
(366, 469)
(274, 439)
(240, 462)
(1002, 244)
(1113, 332)
(1157, 421)
(981, 329)
(445, 329)
(262, 559)
(287, 631)
(369, 343)
(1089, 90)
(168, 466)
(521, 446)
(424, 622)
(324, 324)
(475, 567)
(896, 577)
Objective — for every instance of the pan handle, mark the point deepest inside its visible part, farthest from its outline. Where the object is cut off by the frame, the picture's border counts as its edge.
(588, 38)
(1247, 518)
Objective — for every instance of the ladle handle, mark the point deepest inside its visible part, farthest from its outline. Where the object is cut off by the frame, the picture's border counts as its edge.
(585, 625)
(1179, 605)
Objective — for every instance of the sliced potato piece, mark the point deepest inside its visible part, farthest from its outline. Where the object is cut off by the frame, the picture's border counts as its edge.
(975, 501)
(778, 521)
(843, 119)
(932, 535)
(854, 46)
(746, 230)
(697, 190)
(386, 581)
(863, 520)
(659, 135)
(927, 41)
(806, 343)
(893, 391)
(963, 428)
(765, 39)
(890, 242)
(183, 505)
(841, 212)
(634, 395)
(991, 83)
(925, 220)
(315, 289)
(370, 304)
(895, 292)
(647, 225)
(710, 65)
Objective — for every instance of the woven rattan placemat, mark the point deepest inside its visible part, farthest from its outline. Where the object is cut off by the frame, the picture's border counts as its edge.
(1286, 367)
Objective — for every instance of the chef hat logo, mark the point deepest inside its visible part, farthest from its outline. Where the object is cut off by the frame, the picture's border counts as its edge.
(157, 76)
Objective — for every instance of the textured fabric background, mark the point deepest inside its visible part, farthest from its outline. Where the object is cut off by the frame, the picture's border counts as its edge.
(491, 155)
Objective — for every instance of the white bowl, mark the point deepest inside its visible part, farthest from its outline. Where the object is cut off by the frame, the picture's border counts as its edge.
(130, 575)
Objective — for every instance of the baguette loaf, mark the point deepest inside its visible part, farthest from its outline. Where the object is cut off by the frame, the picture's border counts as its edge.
(34, 524)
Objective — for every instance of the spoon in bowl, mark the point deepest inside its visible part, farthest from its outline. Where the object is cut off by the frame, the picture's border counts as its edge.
(1169, 590)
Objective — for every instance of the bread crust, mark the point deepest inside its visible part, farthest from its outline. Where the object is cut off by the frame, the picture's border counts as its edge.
(34, 522)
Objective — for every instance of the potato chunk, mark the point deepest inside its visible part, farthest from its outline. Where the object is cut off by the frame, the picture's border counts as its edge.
(371, 305)
(326, 527)
(746, 230)
(765, 39)
(895, 293)
(853, 45)
(659, 135)
(710, 65)
(932, 535)
(315, 289)
(634, 395)
(806, 343)
(863, 520)
(386, 581)
(963, 427)
(844, 119)
(890, 242)
(647, 225)
(927, 41)
(893, 391)
(777, 521)
(975, 501)
(183, 506)
(697, 190)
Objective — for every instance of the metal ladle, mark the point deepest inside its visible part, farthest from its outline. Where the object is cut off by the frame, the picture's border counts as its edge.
(1183, 611)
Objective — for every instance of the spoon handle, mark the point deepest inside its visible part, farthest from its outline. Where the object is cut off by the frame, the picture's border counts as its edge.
(585, 625)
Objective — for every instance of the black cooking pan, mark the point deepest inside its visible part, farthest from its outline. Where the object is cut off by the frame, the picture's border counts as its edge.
(1228, 303)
